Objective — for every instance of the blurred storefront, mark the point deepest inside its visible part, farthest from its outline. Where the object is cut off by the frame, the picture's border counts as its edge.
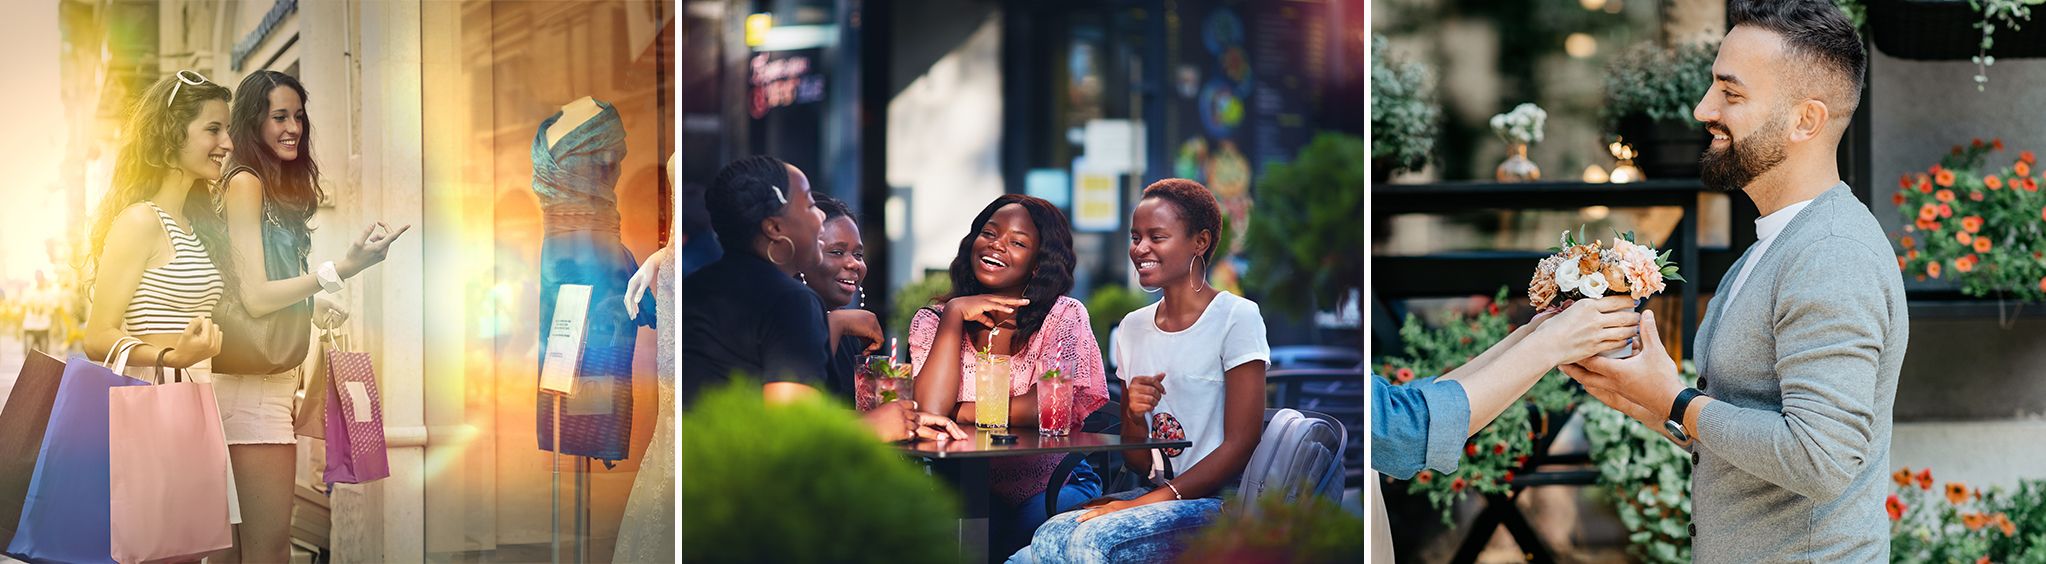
(918, 112)
(427, 114)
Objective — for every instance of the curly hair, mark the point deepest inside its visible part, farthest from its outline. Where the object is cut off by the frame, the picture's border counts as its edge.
(1196, 205)
(834, 208)
(741, 196)
(153, 134)
(1051, 272)
(291, 189)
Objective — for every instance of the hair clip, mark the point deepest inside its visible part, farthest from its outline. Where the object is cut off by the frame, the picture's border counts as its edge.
(778, 195)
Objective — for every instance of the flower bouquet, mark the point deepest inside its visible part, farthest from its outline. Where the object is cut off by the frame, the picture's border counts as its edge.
(1591, 270)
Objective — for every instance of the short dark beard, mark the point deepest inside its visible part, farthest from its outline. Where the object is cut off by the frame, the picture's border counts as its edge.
(1743, 160)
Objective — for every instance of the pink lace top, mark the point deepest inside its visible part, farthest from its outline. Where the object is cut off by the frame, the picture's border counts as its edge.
(1065, 336)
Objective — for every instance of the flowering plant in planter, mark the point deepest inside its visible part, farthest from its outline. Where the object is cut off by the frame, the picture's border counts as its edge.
(1952, 523)
(1494, 454)
(1976, 222)
(1523, 125)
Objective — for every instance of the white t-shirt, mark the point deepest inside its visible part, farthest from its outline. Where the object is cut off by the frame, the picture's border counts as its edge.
(1229, 333)
(1766, 229)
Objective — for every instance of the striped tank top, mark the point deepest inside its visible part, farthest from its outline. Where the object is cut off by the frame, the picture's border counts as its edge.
(171, 295)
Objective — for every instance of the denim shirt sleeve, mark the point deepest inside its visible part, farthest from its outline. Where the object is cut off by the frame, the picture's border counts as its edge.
(1419, 425)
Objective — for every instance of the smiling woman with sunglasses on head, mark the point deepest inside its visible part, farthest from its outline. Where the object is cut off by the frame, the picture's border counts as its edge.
(266, 199)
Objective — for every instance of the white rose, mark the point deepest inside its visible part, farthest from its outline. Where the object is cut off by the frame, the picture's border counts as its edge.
(1593, 286)
(1567, 276)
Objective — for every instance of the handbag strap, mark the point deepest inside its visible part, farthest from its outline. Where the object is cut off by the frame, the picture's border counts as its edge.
(117, 358)
(179, 373)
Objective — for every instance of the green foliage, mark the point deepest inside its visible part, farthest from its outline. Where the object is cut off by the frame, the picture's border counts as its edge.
(776, 484)
(1310, 529)
(1107, 306)
(1403, 111)
(1495, 453)
(915, 296)
(1660, 83)
(1647, 478)
(1856, 13)
(1305, 240)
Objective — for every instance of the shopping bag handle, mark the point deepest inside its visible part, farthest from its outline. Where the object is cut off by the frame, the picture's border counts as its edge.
(117, 359)
(179, 373)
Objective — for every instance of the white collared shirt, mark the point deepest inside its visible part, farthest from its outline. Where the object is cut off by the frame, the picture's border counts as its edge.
(1766, 230)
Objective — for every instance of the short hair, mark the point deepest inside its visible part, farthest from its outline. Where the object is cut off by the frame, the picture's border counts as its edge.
(1815, 31)
(1197, 207)
(743, 194)
(834, 208)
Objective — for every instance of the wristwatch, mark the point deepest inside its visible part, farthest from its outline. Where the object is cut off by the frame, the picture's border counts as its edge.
(1675, 423)
(330, 279)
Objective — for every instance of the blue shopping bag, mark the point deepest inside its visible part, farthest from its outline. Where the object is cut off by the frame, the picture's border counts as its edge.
(65, 516)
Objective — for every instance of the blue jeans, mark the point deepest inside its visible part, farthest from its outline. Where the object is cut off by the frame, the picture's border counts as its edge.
(1012, 529)
(1151, 533)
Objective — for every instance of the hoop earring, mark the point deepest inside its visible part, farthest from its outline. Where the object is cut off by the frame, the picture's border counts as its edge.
(1196, 282)
(770, 249)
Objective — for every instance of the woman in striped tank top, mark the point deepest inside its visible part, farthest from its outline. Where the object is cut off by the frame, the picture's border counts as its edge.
(151, 278)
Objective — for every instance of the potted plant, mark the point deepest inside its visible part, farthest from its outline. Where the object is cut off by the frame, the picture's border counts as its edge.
(1952, 30)
(1305, 239)
(1403, 114)
(1977, 222)
(775, 484)
(1650, 91)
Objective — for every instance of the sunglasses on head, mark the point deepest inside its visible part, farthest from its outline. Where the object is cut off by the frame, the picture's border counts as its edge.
(184, 77)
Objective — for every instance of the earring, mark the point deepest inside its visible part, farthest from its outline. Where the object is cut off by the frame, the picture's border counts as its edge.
(863, 296)
(770, 249)
(801, 278)
(1197, 282)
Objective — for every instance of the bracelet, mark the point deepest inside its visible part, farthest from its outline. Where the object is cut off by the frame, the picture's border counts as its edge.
(330, 279)
(1175, 491)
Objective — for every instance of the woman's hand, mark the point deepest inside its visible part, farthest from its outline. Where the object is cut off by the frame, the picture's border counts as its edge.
(857, 323)
(369, 250)
(1111, 507)
(1587, 328)
(983, 308)
(899, 420)
(1144, 393)
(199, 341)
(328, 315)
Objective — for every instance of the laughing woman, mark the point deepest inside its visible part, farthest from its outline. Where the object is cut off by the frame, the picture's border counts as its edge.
(1009, 285)
(266, 201)
(1216, 400)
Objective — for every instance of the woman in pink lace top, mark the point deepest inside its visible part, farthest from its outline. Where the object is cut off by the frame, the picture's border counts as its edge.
(1009, 282)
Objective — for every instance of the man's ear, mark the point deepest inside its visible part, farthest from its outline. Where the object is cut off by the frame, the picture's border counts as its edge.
(1812, 118)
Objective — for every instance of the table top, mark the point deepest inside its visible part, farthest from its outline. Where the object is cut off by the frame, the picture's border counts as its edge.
(1029, 442)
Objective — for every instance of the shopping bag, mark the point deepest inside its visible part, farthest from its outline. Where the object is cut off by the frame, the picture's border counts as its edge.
(355, 420)
(309, 418)
(22, 423)
(64, 517)
(168, 477)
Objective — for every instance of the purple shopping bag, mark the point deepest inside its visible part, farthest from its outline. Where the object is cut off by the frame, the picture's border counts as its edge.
(355, 421)
(66, 515)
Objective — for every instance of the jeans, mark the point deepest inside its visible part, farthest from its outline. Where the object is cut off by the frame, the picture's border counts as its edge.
(1150, 533)
(1013, 528)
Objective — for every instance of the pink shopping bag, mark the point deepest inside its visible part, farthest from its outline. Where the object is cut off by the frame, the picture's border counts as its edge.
(355, 420)
(167, 471)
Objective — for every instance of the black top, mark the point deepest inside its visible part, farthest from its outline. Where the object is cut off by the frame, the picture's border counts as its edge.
(843, 365)
(742, 316)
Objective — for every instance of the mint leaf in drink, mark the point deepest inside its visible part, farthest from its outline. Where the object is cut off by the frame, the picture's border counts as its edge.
(1052, 374)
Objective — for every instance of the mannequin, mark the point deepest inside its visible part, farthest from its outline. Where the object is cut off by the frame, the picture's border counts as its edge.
(648, 532)
(577, 157)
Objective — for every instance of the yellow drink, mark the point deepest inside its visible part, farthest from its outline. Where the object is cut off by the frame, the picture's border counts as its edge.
(991, 390)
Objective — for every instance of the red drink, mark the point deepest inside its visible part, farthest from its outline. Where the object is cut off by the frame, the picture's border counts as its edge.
(1055, 416)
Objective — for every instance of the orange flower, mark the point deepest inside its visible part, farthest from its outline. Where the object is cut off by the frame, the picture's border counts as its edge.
(1932, 269)
(1897, 199)
(1971, 224)
(2031, 185)
(1992, 181)
(1896, 507)
(1901, 264)
(1424, 477)
(2022, 168)
(1945, 211)
(2042, 284)
(1457, 486)
(1973, 521)
(1404, 375)
(1911, 254)
(1908, 242)
(1957, 493)
(1978, 142)
(1924, 185)
(1902, 477)
(1974, 195)
(2003, 522)
(1981, 244)
(1944, 196)
(1943, 178)
(1998, 143)
(1470, 449)
(1904, 182)
(1964, 237)
(1965, 264)
(1928, 212)
(1924, 478)
(2027, 157)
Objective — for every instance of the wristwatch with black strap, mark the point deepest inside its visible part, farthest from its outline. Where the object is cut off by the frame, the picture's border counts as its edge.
(1675, 423)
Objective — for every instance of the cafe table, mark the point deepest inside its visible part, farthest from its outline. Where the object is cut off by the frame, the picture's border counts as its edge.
(963, 464)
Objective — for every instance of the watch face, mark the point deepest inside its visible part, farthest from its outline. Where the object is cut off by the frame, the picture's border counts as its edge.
(1675, 430)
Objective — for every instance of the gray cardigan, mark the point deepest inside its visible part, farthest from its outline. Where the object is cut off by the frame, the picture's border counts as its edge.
(1792, 462)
